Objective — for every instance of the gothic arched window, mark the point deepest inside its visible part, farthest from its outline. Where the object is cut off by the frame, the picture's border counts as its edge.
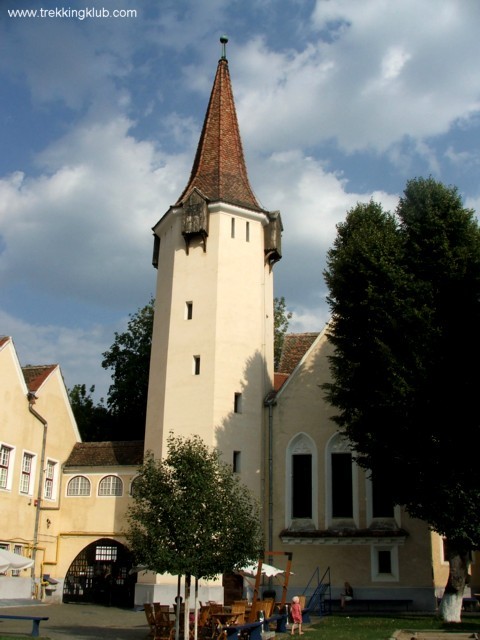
(301, 489)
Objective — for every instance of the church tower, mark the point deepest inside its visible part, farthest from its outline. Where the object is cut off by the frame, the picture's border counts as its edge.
(212, 350)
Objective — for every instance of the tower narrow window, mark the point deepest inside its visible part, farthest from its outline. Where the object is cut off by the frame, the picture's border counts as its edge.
(188, 310)
(237, 403)
(247, 231)
(236, 461)
(232, 228)
(196, 365)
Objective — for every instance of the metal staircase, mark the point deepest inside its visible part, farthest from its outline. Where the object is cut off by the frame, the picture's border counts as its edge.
(319, 601)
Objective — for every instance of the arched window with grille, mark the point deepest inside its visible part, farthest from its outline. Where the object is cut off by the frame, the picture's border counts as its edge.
(110, 486)
(78, 486)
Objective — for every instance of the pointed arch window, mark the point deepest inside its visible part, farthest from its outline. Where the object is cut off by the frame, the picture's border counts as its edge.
(301, 489)
(341, 482)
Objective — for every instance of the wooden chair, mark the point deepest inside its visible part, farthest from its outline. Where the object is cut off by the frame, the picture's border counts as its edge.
(240, 609)
(164, 622)
(150, 615)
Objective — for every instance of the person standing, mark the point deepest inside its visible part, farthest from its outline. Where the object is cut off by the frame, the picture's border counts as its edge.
(296, 615)
(346, 595)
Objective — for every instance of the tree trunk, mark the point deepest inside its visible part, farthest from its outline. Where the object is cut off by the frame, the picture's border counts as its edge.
(177, 611)
(186, 617)
(459, 562)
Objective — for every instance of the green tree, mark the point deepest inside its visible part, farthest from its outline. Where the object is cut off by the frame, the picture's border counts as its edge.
(281, 319)
(94, 422)
(191, 515)
(405, 302)
(129, 360)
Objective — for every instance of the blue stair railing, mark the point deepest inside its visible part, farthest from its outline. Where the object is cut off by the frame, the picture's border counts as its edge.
(320, 601)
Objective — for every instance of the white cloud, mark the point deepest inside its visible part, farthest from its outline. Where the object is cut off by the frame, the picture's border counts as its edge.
(82, 228)
(77, 351)
(396, 68)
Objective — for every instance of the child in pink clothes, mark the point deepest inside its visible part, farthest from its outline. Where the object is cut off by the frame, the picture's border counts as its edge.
(296, 614)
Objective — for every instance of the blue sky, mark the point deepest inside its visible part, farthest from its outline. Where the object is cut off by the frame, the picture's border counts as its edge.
(338, 101)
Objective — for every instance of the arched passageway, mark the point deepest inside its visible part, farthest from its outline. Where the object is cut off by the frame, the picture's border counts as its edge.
(100, 574)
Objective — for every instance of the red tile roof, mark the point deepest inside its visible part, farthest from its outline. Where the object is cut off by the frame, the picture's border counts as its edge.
(219, 170)
(35, 376)
(279, 379)
(4, 340)
(295, 346)
(88, 454)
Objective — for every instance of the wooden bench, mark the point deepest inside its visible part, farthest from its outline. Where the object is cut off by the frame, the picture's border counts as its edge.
(254, 630)
(469, 604)
(376, 603)
(35, 622)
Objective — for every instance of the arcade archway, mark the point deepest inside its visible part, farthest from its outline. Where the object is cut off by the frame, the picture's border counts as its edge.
(100, 574)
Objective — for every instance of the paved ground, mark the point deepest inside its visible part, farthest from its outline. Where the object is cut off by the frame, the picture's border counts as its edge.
(93, 622)
(78, 622)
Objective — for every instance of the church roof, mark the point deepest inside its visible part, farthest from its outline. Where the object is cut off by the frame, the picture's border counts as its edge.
(91, 454)
(295, 346)
(35, 375)
(219, 171)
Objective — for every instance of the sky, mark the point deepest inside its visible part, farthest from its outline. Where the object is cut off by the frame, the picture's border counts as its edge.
(101, 108)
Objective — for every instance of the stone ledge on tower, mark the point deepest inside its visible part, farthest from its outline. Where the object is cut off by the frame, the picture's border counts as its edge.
(273, 237)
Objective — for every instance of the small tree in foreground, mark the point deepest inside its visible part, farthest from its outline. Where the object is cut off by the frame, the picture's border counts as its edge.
(191, 515)
(405, 301)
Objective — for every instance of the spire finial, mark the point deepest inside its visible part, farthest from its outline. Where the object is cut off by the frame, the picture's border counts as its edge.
(224, 40)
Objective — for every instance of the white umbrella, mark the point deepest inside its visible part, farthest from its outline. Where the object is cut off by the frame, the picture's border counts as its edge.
(267, 570)
(9, 560)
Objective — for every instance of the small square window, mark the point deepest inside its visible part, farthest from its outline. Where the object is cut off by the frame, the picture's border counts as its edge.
(188, 310)
(196, 365)
(237, 403)
(385, 564)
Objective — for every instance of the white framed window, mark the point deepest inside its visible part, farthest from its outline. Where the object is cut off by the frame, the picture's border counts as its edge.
(78, 486)
(28, 473)
(51, 480)
(384, 560)
(6, 466)
(110, 486)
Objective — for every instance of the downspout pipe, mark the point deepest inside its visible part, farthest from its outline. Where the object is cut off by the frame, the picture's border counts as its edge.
(31, 401)
(270, 402)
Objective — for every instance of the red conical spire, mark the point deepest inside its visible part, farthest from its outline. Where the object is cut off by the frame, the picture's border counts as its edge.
(219, 171)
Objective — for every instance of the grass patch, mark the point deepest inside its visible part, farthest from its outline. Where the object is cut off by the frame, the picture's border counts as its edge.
(381, 627)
